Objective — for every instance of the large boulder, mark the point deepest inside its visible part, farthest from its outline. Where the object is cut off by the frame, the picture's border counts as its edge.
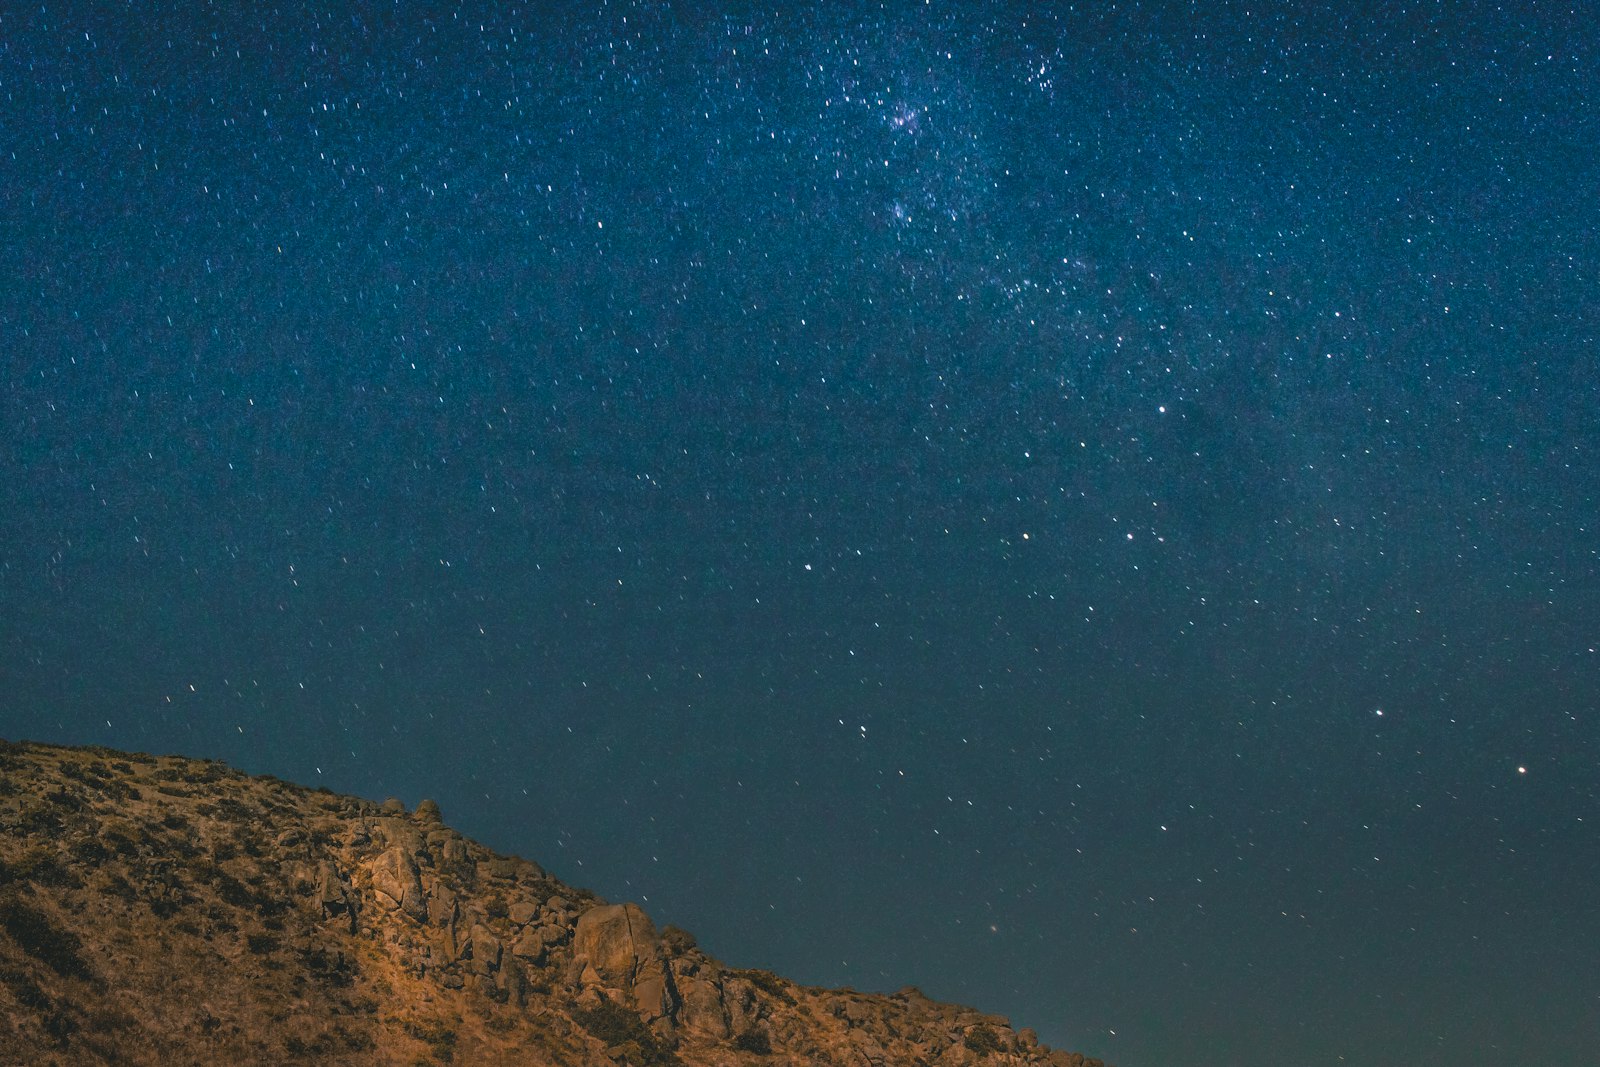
(397, 884)
(701, 1010)
(333, 900)
(616, 939)
(621, 951)
(486, 950)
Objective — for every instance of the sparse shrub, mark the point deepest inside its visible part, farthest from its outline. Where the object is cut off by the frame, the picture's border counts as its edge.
(64, 798)
(755, 1041)
(31, 929)
(677, 939)
(89, 850)
(119, 841)
(335, 969)
(40, 866)
(261, 944)
(232, 808)
(107, 1019)
(355, 1040)
(231, 890)
(113, 884)
(38, 820)
(615, 1025)
(203, 773)
(27, 992)
(768, 983)
(439, 1037)
(60, 1026)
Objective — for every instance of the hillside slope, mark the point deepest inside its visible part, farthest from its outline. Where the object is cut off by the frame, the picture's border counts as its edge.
(159, 910)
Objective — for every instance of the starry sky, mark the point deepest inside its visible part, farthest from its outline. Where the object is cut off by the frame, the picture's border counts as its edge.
(1090, 510)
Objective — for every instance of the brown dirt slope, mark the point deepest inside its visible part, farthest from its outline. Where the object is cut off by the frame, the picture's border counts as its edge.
(159, 910)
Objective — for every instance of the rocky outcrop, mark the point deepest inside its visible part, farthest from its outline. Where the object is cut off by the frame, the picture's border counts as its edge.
(159, 910)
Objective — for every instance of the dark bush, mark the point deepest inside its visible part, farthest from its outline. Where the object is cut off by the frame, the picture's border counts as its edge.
(117, 886)
(121, 843)
(231, 890)
(677, 939)
(768, 983)
(440, 1037)
(38, 820)
(88, 850)
(30, 928)
(60, 1027)
(27, 992)
(335, 968)
(615, 1025)
(755, 1041)
(40, 866)
(982, 1040)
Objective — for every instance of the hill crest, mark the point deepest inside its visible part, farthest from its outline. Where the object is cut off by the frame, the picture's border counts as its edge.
(161, 910)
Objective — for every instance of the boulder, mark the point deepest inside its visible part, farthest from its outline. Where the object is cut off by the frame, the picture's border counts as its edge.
(621, 951)
(399, 833)
(395, 881)
(530, 946)
(442, 909)
(554, 934)
(616, 939)
(332, 899)
(700, 1009)
(485, 950)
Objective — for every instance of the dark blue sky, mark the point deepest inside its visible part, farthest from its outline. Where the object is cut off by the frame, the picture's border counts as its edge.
(1093, 514)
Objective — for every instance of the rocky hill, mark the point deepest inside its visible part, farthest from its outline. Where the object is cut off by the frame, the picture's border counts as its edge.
(158, 910)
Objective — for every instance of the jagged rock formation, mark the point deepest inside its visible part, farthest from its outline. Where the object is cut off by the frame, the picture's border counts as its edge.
(158, 910)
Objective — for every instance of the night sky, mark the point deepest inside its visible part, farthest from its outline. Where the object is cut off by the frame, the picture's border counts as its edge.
(1093, 513)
